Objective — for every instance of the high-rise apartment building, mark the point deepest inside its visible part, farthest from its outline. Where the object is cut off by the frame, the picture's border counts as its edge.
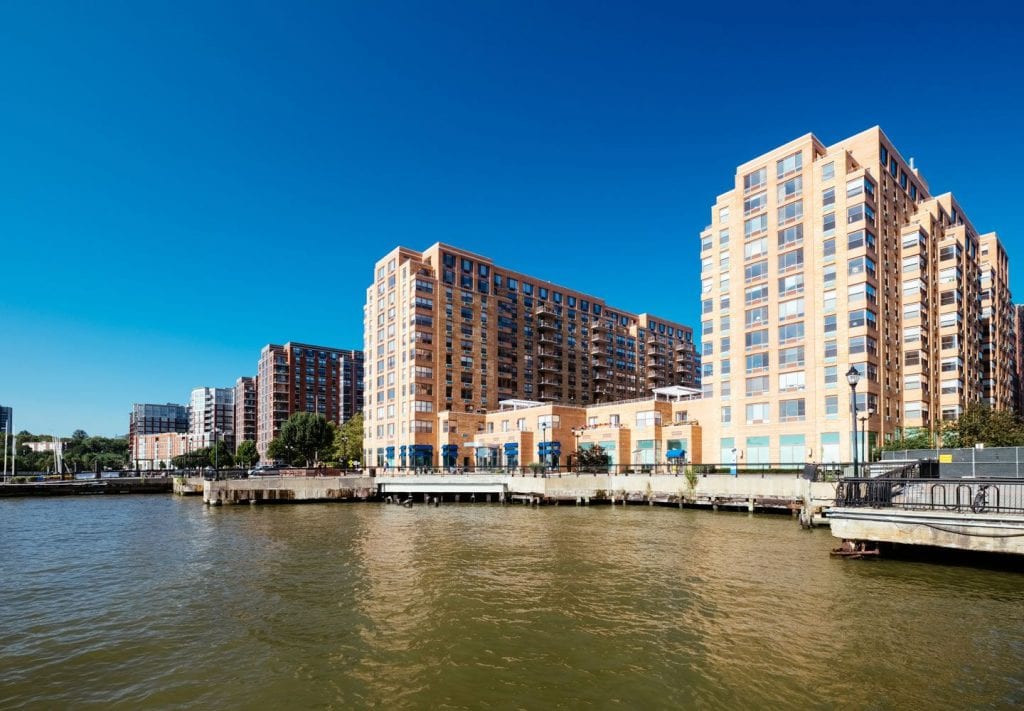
(245, 410)
(298, 377)
(352, 384)
(448, 330)
(998, 326)
(6, 418)
(1018, 330)
(149, 418)
(820, 258)
(212, 417)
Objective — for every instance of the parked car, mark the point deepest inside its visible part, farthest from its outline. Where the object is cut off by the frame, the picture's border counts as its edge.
(264, 470)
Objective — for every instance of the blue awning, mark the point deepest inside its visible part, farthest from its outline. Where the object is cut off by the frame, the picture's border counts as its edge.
(390, 451)
(421, 448)
(511, 447)
(449, 448)
(401, 450)
(675, 453)
(549, 447)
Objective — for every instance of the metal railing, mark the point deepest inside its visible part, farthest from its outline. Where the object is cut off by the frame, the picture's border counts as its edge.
(957, 495)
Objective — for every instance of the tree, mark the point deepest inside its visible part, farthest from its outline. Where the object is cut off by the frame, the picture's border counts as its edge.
(919, 439)
(305, 439)
(593, 459)
(246, 454)
(348, 443)
(979, 423)
(219, 455)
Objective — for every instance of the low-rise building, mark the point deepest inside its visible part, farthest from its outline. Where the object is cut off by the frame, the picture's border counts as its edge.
(156, 451)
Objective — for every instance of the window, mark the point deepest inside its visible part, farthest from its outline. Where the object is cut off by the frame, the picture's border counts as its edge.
(758, 385)
(755, 226)
(791, 309)
(863, 291)
(791, 357)
(863, 317)
(707, 306)
(831, 406)
(862, 344)
(789, 164)
(792, 449)
(829, 249)
(860, 238)
(723, 215)
(791, 236)
(756, 248)
(828, 275)
(792, 410)
(755, 271)
(859, 265)
(795, 380)
(829, 301)
(757, 413)
(753, 181)
(831, 376)
(756, 294)
(726, 414)
(757, 449)
(828, 224)
(755, 203)
(791, 332)
(828, 197)
(791, 285)
(726, 367)
(791, 212)
(791, 261)
(828, 171)
(723, 346)
(830, 323)
(757, 363)
(724, 324)
(757, 339)
(858, 212)
(883, 155)
(791, 188)
(648, 418)
(756, 317)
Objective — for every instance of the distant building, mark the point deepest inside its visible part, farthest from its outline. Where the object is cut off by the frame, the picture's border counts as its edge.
(245, 410)
(1018, 321)
(151, 418)
(155, 451)
(48, 446)
(211, 417)
(298, 377)
(6, 419)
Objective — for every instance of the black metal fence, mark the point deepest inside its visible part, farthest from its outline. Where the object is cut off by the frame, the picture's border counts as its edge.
(997, 462)
(958, 495)
(815, 472)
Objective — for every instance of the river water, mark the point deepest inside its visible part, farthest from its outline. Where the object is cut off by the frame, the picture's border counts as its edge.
(160, 602)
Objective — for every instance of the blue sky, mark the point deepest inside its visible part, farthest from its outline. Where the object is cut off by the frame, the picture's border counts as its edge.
(181, 183)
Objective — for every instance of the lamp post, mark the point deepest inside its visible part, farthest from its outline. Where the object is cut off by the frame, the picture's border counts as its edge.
(863, 417)
(576, 432)
(543, 441)
(853, 377)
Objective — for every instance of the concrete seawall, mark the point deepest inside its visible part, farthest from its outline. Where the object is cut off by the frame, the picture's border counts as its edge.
(288, 489)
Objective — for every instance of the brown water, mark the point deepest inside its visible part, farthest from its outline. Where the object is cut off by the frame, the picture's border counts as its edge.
(160, 602)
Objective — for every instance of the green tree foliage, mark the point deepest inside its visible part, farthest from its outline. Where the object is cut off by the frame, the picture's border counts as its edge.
(980, 424)
(306, 438)
(81, 452)
(921, 439)
(205, 457)
(593, 459)
(246, 454)
(348, 442)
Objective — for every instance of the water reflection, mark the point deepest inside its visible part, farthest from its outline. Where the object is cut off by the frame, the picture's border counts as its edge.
(149, 602)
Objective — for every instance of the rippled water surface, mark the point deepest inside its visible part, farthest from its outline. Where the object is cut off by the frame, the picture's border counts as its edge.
(158, 602)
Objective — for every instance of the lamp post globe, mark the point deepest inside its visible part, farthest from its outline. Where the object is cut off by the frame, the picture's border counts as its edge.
(853, 377)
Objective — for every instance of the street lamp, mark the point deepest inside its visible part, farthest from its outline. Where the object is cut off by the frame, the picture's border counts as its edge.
(853, 377)
(543, 441)
(863, 417)
(576, 432)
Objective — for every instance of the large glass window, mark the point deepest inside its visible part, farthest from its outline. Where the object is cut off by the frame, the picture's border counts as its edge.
(756, 271)
(757, 339)
(755, 203)
(755, 225)
(757, 450)
(648, 418)
(755, 180)
(792, 449)
(791, 188)
(791, 212)
(791, 236)
(755, 248)
(757, 413)
(789, 164)
(792, 410)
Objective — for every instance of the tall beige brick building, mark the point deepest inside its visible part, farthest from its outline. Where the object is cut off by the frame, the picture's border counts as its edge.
(446, 330)
(820, 258)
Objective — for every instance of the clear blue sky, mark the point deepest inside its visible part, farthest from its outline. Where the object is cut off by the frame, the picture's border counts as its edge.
(183, 182)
